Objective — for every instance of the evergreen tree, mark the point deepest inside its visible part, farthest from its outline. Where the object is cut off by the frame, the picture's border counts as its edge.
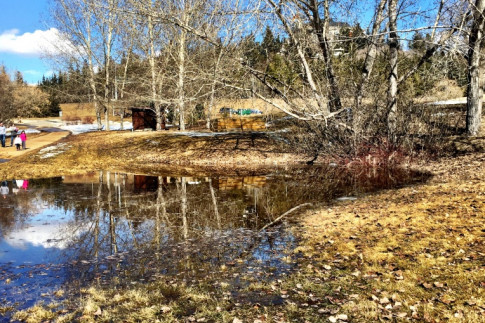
(418, 42)
(270, 45)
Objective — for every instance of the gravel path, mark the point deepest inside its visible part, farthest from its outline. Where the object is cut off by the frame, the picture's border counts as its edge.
(38, 141)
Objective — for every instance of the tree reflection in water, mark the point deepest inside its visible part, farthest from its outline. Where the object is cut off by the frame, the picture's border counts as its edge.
(115, 229)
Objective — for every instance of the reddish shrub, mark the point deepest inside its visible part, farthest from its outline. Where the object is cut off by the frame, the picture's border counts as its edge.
(71, 119)
(88, 120)
(380, 152)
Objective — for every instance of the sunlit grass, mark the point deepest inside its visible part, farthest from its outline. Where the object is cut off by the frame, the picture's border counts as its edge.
(37, 313)
(421, 244)
(147, 151)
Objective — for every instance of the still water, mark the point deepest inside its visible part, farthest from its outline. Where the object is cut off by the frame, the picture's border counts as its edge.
(114, 229)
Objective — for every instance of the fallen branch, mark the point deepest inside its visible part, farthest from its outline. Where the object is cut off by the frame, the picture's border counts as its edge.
(283, 215)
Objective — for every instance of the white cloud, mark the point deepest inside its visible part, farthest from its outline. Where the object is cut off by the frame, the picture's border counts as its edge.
(52, 235)
(47, 236)
(37, 43)
(32, 72)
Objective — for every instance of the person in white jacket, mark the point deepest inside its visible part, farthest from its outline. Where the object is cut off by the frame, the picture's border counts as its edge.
(3, 132)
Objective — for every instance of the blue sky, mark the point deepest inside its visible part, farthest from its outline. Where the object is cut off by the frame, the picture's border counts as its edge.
(23, 32)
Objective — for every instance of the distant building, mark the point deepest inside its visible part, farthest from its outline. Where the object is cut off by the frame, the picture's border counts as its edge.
(335, 27)
(143, 118)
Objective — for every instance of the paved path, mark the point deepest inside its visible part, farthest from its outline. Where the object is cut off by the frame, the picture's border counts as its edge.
(43, 139)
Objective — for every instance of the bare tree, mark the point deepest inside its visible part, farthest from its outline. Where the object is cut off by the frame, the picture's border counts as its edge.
(89, 29)
(106, 12)
(74, 19)
(474, 94)
(393, 77)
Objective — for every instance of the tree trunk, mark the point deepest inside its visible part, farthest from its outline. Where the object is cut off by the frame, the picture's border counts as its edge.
(180, 83)
(214, 203)
(393, 55)
(474, 95)
(370, 57)
(213, 88)
(334, 101)
(107, 64)
(155, 102)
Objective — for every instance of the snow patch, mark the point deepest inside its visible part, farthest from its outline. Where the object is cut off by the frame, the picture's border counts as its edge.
(83, 128)
(52, 151)
(31, 131)
(346, 198)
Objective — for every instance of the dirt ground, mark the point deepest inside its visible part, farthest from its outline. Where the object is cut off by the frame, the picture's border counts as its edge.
(38, 141)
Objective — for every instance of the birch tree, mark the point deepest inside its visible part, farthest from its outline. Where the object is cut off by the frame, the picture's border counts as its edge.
(89, 27)
(474, 93)
(393, 57)
(108, 21)
(74, 19)
(151, 42)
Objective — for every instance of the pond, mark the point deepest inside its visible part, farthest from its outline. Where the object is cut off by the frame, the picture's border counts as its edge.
(113, 229)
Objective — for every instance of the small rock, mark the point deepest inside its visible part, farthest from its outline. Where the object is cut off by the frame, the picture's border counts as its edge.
(236, 320)
(332, 319)
(342, 317)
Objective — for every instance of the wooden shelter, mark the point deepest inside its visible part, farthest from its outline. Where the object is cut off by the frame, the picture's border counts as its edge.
(241, 123)
(143, 118)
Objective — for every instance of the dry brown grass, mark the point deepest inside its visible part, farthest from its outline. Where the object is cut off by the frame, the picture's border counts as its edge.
(79, 110)
(151, 152)
(443, 90)
(35, 314)
(417, 252)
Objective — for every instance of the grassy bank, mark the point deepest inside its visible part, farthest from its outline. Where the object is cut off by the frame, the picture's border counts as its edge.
(409, 254)
(153, 152)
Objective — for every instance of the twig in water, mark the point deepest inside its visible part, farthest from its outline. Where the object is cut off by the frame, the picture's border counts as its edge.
(283, 215)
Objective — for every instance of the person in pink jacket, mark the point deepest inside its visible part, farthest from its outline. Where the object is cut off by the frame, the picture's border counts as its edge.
(23, 137)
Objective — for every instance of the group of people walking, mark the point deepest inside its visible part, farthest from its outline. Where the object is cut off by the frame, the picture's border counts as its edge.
(19, 140)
